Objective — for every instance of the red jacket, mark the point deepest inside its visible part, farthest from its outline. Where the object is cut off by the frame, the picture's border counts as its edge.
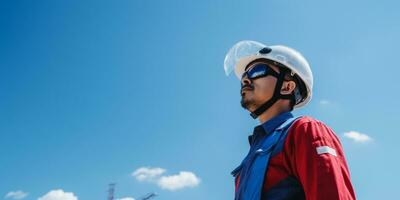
(313, 157)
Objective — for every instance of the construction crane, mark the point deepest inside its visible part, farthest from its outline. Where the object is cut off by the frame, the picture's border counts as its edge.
(111, 189)
(148, 196)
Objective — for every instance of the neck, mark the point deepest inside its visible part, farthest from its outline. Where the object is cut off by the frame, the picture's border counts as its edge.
(273, 111)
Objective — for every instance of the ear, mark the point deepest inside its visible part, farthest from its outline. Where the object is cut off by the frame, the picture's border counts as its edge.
(288, 87)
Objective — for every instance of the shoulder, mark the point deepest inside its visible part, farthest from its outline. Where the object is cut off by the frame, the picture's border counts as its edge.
(307, 120)
(308, 128)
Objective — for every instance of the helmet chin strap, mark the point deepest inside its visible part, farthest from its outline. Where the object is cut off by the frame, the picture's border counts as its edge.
(275, 97)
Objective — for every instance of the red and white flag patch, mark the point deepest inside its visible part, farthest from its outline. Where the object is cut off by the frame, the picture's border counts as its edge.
(326, 149)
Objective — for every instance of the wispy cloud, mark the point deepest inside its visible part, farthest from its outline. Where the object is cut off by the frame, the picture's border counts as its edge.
(179, 181)
(16, 195)
(147, 174)
(126, 198)
(324, 102)
(358, 137)
(171, 182)
(58, 195)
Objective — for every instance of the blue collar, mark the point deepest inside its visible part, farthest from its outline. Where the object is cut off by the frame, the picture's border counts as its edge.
(269, 126)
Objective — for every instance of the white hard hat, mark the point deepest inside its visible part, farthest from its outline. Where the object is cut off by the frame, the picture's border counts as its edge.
(244, 52)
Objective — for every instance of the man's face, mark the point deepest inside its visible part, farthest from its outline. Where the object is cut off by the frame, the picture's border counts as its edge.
(255, 92)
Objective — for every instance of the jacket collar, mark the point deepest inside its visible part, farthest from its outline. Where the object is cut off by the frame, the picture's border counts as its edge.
(269, 126)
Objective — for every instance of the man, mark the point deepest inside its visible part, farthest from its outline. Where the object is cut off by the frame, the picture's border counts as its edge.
(289, 158)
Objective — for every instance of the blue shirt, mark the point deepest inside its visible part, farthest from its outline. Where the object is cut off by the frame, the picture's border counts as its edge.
(268, 127)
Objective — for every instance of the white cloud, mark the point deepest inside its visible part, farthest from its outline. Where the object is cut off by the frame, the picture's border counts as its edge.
(147, 174)
(172, 183)
(324, 102)
(16, 195)
(357, 137)
(126, 198)
(58, 195)
(179, 181)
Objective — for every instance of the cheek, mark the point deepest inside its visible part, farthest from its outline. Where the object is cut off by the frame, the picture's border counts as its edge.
(264, 88)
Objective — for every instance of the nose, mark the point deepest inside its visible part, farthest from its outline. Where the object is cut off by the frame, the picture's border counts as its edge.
(245, 80)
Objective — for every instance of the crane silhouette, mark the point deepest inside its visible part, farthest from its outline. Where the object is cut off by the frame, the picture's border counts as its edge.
(111, 190)
(148, 196)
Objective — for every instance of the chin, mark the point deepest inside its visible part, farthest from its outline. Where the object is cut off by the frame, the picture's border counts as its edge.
(246, 103)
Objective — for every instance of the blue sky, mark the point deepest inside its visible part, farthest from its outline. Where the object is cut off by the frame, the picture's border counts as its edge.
(91, 91)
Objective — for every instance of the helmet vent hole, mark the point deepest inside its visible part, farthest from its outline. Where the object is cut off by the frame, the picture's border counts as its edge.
(265, 50)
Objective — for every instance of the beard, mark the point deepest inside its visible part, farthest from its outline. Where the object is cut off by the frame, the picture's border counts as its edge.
(247, 103)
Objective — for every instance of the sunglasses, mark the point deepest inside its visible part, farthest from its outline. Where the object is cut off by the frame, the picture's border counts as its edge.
(259, 70)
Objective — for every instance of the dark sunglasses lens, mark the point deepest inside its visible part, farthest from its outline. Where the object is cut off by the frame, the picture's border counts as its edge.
(258, 71)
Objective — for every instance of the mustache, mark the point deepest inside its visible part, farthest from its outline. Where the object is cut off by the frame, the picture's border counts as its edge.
(248, 86)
